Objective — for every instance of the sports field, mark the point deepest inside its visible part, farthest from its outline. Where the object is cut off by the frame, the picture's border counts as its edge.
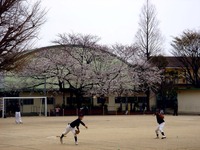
(104, 133)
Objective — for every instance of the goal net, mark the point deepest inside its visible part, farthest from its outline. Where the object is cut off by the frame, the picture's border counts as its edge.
(30, 106)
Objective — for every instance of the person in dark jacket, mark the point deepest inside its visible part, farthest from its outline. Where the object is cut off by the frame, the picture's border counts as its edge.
(74, 128)
(161, 124)
(175, 108)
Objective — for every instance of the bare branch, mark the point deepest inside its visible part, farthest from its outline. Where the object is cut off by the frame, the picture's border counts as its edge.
(187, 50)
(19, 24)
(148, 38)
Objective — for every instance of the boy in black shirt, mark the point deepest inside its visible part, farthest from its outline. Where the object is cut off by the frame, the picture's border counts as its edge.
(71, 127)
(161, 124)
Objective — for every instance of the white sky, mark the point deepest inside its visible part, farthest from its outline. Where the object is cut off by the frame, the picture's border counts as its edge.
(116, 21)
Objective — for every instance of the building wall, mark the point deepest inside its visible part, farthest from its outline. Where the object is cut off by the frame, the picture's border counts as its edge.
(152, 101)
(112, 106)
(37, 104)
(189, 101)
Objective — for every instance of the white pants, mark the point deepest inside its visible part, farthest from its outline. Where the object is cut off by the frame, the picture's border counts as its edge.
(68, 129)
(160, 127)
(18, 118)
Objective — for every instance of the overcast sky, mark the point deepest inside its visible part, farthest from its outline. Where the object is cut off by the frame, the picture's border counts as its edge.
(116, 21)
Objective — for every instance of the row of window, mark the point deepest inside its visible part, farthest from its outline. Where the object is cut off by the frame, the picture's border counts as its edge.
(130, 99)
(106, 100)
(50, 101)
(87, 100)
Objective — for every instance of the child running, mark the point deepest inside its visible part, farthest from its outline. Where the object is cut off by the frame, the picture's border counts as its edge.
(161, 124)
(71, 127)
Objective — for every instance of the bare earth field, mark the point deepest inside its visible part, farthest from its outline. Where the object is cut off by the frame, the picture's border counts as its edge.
(104, 133)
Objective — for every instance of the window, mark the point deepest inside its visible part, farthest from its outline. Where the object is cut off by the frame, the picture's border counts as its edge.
(28, 101)
(130, 99)
(50, 100)
(124, 99)
(74, 100)
(119, 100)
(71, 100)
(142, 99)
(101, 99)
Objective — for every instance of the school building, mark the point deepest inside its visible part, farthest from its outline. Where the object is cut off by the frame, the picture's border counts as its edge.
(188, 98)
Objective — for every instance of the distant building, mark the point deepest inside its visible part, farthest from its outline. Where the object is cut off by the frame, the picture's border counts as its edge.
(187, 96)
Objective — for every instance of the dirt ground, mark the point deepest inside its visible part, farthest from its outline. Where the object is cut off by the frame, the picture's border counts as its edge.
(134, 132)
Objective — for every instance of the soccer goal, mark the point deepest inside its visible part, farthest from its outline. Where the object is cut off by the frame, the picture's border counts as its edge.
(28, 105)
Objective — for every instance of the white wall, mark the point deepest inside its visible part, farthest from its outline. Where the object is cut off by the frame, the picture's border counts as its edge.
(189, 101)
(152, 101)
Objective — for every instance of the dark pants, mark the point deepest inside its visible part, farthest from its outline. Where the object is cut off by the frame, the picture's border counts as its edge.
(175, 112)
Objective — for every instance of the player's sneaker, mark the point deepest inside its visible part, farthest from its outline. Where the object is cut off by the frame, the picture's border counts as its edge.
(61, 140)
(164, 137)
(76, 143)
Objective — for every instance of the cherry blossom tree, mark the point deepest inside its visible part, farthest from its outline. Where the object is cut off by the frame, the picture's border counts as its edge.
(98, 70)
(79, 65)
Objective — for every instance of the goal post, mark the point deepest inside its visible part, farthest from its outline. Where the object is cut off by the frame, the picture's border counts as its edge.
(3, 103)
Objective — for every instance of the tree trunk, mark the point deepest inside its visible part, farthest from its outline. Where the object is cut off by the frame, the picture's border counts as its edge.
(79, 98)
(71, 99)
(148, 99)
(63, 97)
